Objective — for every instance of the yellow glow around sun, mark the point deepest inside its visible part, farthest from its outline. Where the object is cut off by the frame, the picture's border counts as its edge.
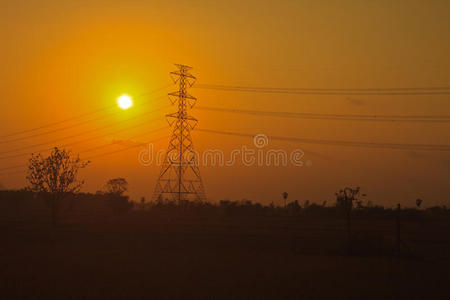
(125, 102)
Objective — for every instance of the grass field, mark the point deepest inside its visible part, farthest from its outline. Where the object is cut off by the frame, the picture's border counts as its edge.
(145, 256)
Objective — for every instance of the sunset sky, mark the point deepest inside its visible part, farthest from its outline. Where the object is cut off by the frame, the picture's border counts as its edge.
(63, 59)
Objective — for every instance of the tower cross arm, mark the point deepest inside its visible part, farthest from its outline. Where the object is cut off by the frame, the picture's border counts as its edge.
(176, 115)
(178, 73)
(183, 95)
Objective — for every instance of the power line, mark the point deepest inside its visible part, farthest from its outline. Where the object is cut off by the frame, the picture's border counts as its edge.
(12, 167)
(337, 89)
(96, 156)
(81, 116)
(81, 134)
(127, 148)
(96, 148)
(74, 143)
(132, 137)
(418, 147)
(80, 141)
(333, 92)
(63, 128)
(344, 117)
(53, 124)
(11, 173)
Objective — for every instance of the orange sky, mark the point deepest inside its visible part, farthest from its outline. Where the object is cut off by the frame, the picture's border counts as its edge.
(60, 59)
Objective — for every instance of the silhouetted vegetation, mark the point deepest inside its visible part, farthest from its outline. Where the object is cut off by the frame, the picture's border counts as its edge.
(22, 202)
(54, 177)
(117, 186)
(345, 200)
(156, 244)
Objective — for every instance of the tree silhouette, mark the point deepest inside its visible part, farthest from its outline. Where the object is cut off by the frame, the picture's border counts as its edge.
(117, 186)
(119, 203)
(344, 200)
(285, 195)
(419, 202)
(306, 204)
(55, 175)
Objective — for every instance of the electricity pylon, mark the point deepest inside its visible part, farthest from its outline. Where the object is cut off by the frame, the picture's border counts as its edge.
(179, 179)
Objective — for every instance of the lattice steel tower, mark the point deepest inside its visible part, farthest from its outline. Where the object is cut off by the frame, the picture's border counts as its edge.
(180, 178)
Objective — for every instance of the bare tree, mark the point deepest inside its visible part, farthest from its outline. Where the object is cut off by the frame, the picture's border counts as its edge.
(117, 186)
(345, 199)
(55, 175)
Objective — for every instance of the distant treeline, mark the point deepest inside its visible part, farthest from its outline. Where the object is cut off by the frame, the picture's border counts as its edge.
(247, 207)
(25, 205)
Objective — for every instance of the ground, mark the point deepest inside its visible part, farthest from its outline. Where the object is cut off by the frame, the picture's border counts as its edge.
(145, 256)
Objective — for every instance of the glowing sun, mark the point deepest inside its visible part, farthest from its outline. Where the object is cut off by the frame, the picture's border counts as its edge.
(125, 102)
